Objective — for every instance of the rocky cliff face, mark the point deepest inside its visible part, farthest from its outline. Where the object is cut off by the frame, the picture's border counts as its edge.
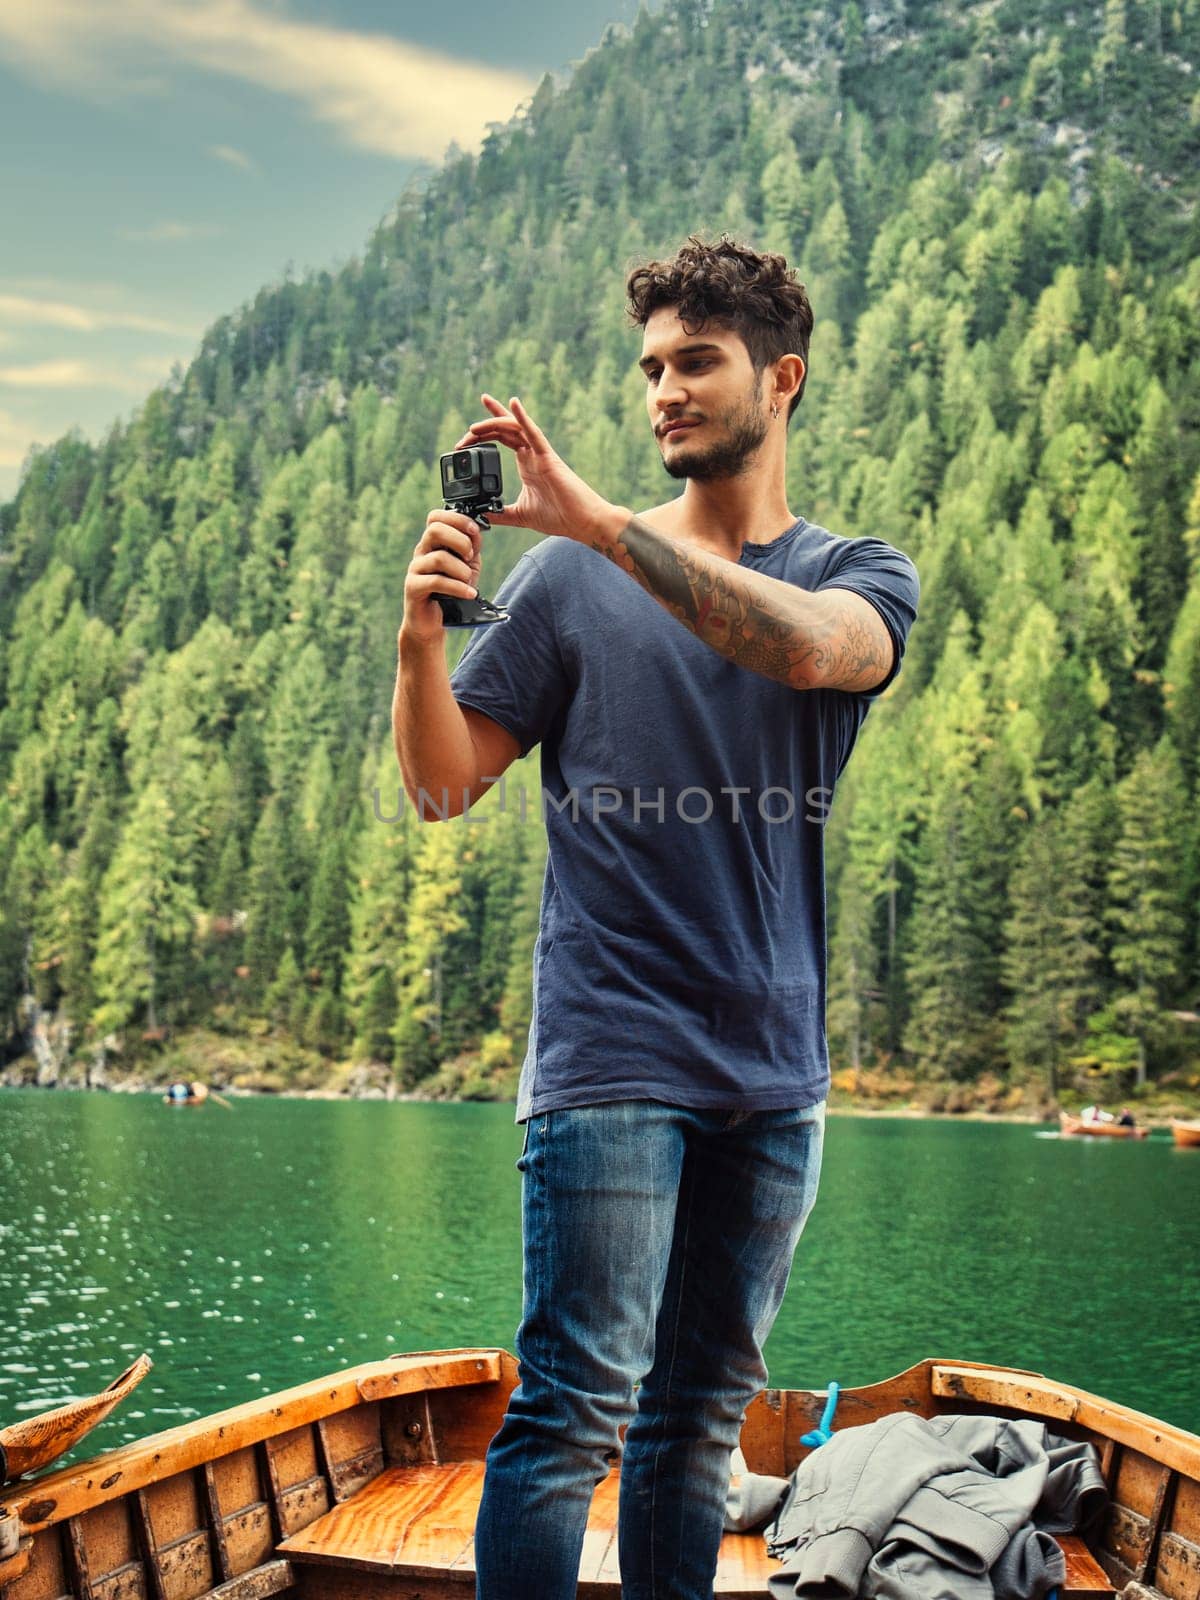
(49, 1062)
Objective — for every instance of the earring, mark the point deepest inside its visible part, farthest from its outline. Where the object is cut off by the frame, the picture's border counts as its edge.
(774, 411)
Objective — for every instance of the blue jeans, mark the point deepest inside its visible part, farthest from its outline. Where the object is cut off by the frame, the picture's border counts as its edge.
(658, 1242)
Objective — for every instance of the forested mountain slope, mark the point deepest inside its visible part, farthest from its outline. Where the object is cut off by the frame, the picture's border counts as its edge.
(994, 210)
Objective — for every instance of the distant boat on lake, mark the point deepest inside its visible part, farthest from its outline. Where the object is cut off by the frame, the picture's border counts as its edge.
(186, 1094)
(1070, 1126)
(193, 1094)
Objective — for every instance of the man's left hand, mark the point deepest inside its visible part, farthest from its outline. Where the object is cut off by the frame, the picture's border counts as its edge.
(553, 499)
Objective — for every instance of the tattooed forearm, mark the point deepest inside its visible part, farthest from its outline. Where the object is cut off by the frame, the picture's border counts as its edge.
(832, 639)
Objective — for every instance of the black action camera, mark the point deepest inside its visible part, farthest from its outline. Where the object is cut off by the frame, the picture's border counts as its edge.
(471, 483)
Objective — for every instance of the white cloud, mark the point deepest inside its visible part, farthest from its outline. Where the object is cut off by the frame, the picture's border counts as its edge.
(15, 440)
(378, 92)
(172, 232)
(43, 284)
(69, 374)
(24, 310)
(156, 369)
(232, 157)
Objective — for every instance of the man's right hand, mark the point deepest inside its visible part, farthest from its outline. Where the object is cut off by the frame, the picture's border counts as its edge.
(447, 560)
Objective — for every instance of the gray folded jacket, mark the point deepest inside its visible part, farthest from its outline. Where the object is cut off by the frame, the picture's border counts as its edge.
(909, 1508)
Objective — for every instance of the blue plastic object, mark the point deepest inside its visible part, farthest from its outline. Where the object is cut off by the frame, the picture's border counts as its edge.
(823, 1432)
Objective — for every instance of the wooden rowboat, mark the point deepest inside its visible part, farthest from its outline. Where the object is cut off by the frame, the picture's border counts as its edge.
(364, 1486)
(1070, 1126)
(1185, 1134)
(197, 1095)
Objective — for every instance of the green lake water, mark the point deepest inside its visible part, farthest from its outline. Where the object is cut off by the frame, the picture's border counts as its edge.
(250, 1249)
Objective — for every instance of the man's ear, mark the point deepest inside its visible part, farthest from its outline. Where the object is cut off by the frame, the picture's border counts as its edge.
(789, 374)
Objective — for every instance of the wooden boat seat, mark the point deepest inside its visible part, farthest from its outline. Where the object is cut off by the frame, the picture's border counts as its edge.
(418, 1523)
(409, 1533)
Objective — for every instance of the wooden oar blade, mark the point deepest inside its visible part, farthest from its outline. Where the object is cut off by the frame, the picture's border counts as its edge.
(25, 1446)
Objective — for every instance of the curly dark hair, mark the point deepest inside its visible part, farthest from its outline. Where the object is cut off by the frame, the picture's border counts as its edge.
(755, 295)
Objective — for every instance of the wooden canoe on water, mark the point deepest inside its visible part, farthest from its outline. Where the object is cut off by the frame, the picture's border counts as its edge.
(1070, 1126)
(364, 1486)
(1185, 1134)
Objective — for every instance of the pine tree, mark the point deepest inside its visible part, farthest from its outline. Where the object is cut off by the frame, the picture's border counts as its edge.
(380, 882)
(327, 933)
(1145, 909)
(148, 915)
(1111, 50)
(882, 797)
(944, 973)
(853, 968)
(80, 915)
(273, 895)
(787, 202)
(502, 859)
(951, 963)
(433, 917)
(286, 1000)
(1052, 953)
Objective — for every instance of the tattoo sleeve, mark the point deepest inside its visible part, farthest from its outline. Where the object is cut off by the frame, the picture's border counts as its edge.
(829, 639)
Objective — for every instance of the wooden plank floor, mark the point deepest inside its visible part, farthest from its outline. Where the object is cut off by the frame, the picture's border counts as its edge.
(420, 1521)
(1085, 1576)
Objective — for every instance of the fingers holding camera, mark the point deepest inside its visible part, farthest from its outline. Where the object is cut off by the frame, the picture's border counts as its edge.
(447, 560)
(455, 527)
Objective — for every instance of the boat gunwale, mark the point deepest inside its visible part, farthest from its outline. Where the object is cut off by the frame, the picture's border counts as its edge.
(59, 1495)
(1166, 1444)
(930, 1387)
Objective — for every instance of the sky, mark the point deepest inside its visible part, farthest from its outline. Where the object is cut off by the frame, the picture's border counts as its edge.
(161, 160)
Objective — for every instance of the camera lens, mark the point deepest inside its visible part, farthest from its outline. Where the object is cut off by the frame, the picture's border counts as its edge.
(462, 464)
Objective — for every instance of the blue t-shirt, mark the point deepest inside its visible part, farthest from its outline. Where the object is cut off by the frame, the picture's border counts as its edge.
(681, 949)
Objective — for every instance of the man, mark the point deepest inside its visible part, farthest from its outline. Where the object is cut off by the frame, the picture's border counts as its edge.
(696, 675)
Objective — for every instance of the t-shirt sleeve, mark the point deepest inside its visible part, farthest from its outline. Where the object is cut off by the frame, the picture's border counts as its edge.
(888, 579)
(513, 671)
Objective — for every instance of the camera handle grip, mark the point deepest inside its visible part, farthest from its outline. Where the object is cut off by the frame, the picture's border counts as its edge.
(461, 613)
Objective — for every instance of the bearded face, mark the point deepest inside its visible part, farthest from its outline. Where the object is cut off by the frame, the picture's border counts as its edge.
(723, 445)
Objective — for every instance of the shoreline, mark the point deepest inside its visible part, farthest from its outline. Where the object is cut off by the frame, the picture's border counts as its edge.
(260, 1063)
(1153, 1121)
